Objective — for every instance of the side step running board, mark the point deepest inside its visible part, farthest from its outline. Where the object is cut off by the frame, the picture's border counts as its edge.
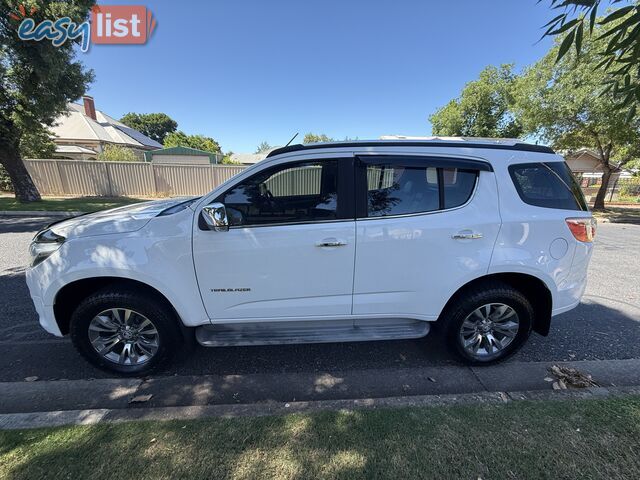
(278, 333)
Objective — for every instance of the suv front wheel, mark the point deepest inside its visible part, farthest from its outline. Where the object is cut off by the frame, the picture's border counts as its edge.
(124, 331)
(488, 323)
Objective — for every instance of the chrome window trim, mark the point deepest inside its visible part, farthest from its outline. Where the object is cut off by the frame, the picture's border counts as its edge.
(262, 225)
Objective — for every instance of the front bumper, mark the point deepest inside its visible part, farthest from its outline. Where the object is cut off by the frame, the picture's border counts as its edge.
(46, 315)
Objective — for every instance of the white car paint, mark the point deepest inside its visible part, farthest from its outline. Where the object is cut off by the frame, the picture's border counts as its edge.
(392, 267)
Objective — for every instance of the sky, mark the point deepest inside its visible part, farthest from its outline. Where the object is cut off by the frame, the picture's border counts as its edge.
(247, 71)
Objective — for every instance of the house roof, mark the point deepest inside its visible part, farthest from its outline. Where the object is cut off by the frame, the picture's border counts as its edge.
(248, 158)
(76, 126)
(74, 149)
(180, 151)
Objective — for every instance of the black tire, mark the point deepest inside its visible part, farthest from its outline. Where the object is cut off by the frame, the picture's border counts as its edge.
(470, 300)
(164, 320)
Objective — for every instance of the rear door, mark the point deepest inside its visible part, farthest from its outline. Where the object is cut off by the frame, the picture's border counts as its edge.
(425, 226)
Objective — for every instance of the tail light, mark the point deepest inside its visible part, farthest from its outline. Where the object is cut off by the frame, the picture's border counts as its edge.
(583, 229)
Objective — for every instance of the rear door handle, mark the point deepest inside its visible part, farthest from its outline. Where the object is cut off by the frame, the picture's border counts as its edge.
(331, 242)
(466, 236)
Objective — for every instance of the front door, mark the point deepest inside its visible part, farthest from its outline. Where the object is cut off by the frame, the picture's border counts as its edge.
(289, 252)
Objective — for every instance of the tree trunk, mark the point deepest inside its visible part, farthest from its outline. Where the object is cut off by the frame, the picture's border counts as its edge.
(602, 191)
(23, 186)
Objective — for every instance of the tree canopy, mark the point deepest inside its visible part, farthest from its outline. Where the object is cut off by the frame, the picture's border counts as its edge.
(314, 138)
(618, 54)
(37, 81)
(181, 139)
(154, 125)
(555, 102)
(483, 109)
(264, 147)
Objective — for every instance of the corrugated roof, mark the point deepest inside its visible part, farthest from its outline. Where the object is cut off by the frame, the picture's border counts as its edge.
(74, 149)
(248, 158)
(75, 125)
(181, 151)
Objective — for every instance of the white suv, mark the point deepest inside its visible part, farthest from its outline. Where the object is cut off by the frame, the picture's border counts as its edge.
(328, 242)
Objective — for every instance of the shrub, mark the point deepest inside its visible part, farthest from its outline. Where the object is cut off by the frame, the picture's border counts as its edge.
(118, 153)
(5, 181)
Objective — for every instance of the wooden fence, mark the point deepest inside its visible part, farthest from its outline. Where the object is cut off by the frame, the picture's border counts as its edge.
(114, 179)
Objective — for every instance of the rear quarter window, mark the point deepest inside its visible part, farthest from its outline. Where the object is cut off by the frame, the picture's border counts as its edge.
(548, 185)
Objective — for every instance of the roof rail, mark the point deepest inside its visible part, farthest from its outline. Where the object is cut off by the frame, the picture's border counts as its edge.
(518, 146)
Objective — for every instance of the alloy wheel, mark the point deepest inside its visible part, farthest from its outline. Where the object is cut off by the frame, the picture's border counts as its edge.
(489, 329)
(124, 336)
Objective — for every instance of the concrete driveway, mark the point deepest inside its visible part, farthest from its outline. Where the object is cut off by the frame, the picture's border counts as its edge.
(605, 326)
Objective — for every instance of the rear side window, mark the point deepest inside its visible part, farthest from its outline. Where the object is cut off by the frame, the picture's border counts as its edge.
(549, 185)
(398, 189)
(458, 186)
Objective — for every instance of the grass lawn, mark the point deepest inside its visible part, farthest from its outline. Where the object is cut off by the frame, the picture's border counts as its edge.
(77, 204)
(585, 439)
(627, 214)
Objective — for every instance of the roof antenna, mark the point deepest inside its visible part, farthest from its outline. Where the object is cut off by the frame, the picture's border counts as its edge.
(292, 139)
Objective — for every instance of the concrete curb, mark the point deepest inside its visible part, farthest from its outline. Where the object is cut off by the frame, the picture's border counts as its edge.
(44, 213)
(14, 421)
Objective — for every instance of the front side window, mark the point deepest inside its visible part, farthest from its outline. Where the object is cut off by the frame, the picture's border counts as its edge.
(549, 185)
(395, 189)
(291, 193)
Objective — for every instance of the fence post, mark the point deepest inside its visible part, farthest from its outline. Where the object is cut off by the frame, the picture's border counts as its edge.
(63, 181)
(108, 175)
(155, 180)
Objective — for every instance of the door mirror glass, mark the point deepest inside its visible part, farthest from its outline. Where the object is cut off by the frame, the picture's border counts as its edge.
(215, 217)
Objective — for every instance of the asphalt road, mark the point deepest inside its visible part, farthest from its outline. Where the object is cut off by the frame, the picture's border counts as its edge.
(605, 326)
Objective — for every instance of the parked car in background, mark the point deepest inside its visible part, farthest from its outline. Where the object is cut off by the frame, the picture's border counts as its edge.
(346, 241)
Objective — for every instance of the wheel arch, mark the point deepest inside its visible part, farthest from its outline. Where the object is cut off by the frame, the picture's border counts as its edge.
(69, 296)
(533, 288)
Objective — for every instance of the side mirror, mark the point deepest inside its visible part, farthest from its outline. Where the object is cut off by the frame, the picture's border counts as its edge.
(215, 216)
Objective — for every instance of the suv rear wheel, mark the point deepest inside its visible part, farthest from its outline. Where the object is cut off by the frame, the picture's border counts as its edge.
(488, 323)
(124, 332)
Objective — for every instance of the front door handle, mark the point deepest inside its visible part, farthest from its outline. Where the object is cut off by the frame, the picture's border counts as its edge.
(466, 236)
(331, 242)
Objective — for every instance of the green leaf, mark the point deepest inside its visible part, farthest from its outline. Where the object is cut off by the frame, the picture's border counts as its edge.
(627, 100)
(554, 20)
(621, 12)
(579, 38)
(611, 31)
(566, 26)
(606, 90)
(631, 115)
(613, 42)
(565, 45)
(548, 31)
(606, 61)
(592, 18)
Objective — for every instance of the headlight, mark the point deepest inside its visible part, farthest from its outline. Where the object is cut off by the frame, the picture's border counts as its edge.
(44, 244)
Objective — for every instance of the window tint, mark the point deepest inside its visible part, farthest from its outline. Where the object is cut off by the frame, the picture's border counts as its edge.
(458, 186)
(398, 190)
(549, 185)
(393, 190)
(304, 192)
